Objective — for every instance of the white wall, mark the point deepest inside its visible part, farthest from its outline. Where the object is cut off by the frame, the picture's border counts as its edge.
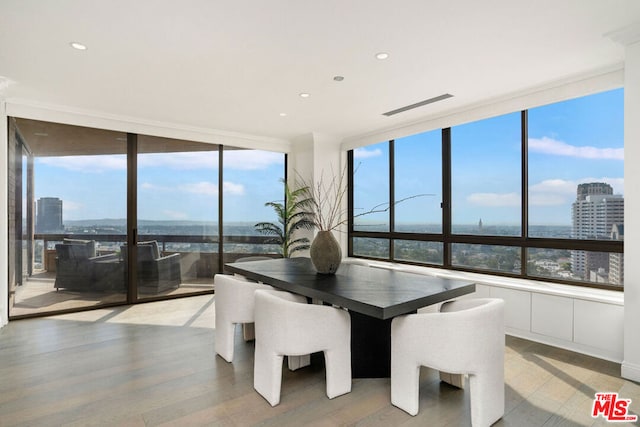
(4, 226)
(631, 363)
(315, 157)
(300, 167)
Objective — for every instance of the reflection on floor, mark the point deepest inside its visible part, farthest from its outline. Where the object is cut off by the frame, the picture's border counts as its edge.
(38, 295)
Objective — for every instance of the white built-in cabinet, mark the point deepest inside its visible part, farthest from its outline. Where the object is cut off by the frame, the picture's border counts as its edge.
(585, 320)
(584, 324)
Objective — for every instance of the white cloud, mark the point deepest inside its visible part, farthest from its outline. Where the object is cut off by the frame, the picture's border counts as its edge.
(363, 153)
(232, 189)
(175, 214)
(251, 159)
(211, 188)
(91, 164)
(559, 148)
(68, 205)
(233, 159)
(203, 187)
(153, 187)
(180, 161)
(494, 199)
(550, 192)
(554, 192)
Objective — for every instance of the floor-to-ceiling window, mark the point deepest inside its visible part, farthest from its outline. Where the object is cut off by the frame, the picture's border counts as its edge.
(576, 187)
(486, 182)
(371, 193)
(73, 206)
(418, 190)
(535, 194)
(177, 212)
(80, 197)
(251, 179)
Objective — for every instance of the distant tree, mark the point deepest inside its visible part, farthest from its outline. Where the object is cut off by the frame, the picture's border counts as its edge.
(293, 214)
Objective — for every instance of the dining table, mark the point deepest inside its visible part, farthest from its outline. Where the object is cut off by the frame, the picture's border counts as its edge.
(373, 296)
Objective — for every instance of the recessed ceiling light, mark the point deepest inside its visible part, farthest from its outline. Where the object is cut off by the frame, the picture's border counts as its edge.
(304, 95)
(382, 55)
(338, 78)
(283, 114)
(78, 46)
(40, 134)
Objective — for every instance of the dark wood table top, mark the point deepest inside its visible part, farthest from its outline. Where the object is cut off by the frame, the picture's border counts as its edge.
(376, 292)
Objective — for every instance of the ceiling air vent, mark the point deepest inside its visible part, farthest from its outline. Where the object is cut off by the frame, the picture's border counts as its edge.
(417, 104)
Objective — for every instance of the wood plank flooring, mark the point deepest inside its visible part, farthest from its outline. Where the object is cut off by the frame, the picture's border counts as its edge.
(154, 365)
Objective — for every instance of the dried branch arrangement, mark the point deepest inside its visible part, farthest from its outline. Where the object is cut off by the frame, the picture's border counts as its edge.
(326, 201)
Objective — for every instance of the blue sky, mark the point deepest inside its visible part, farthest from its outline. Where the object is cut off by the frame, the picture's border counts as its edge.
(171, 186)
(571, 142)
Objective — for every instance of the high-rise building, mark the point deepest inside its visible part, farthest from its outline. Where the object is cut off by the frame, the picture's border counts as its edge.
(595, 188)
(49, 215)
(594, 213)
(616, 261)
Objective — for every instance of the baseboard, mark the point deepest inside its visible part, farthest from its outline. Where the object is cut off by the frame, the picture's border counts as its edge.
(631, 371)
(605, 354)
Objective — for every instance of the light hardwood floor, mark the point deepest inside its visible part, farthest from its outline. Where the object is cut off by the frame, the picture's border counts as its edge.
(154, 364)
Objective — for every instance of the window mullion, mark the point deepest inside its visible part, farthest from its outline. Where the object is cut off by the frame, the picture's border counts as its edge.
(446, 197)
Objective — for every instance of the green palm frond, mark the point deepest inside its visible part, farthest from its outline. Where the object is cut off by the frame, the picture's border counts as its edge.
(296, 212)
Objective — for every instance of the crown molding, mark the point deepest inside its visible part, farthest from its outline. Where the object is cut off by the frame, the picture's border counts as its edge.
(626, 36)
(80, 117)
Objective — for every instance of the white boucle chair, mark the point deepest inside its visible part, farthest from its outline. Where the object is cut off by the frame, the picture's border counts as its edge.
(465, 337)
(234, 304)
(289, 328)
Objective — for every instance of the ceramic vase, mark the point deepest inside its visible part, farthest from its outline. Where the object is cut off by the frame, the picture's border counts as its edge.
(326, 254)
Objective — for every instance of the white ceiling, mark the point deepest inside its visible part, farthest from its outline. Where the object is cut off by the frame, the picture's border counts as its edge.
(235, 65)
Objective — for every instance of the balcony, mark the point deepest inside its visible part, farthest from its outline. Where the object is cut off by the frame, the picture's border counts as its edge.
(100, 281)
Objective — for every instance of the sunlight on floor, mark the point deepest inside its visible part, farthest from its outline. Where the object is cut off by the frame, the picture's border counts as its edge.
(177, 312)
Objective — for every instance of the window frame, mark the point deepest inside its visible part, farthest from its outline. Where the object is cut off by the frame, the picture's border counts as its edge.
(447, 238)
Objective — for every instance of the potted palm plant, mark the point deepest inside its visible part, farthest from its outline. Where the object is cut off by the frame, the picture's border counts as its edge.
(294, 213)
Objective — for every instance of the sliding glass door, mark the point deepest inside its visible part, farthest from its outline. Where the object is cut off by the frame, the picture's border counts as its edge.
(80, 198)
(69, 217)
(177, 226)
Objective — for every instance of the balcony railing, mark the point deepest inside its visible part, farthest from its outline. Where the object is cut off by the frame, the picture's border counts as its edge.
(233, 246)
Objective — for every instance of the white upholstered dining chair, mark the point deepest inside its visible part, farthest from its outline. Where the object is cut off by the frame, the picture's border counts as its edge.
(284, 327)
(465, 337)
(234, 304)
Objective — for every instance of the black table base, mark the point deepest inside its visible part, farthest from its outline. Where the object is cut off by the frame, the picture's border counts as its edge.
(370, 346)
